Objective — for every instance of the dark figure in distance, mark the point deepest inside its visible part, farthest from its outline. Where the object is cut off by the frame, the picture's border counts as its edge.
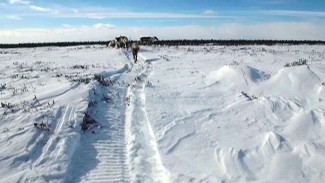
(135, 50)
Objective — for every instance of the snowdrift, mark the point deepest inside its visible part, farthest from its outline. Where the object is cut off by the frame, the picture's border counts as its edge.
(298, 81)
(228, 77)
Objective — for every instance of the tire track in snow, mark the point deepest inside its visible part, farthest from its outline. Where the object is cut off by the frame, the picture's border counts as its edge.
(143, 155)
(54, 151)
(53, 143)
(101, 157)
(112, 153)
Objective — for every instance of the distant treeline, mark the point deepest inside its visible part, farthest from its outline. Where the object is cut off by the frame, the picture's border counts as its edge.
(32, 45)
(237, 42)
(174, 43)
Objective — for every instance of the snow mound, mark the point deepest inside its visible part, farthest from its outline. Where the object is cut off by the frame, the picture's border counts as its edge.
(306, 125)
(272, 142)
(239, 76)
(280, 107)
(262, 163)
(292, 81)
(231, 165)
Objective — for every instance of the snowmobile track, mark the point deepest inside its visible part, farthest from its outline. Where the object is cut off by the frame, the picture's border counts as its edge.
(144, 158)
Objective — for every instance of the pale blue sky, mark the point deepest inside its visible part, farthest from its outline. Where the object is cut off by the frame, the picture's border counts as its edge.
(18, 15)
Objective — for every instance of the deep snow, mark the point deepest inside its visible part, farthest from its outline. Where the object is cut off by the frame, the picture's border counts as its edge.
(182, 114)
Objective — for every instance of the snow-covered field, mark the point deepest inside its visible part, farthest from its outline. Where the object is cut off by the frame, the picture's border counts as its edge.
(181, 114)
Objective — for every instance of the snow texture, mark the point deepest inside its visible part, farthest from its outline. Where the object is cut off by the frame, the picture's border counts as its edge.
(181, 114)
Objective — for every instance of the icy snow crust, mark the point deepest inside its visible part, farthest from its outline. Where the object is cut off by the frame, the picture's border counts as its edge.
(181, 114)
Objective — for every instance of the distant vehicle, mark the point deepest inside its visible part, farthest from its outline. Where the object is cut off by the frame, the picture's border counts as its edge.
(148, 40)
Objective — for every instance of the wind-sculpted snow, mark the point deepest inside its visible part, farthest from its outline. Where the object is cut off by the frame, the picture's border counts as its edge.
(236, 114)
(236, 76)
(180, 114)
(299, 81)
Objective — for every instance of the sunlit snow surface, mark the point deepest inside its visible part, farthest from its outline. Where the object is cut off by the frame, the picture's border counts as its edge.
(179, 115)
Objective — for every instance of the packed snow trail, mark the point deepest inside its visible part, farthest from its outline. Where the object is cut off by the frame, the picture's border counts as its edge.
(124, 149)
(144, 158)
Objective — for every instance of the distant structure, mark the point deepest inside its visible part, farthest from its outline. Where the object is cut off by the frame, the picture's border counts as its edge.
(148, 40)
(121, 42)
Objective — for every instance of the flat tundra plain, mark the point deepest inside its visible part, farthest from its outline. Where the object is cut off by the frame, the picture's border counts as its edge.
(180, 114)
